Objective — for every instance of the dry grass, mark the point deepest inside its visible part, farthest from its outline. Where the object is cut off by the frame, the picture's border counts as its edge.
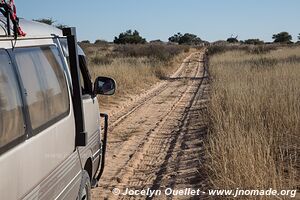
(134, 67)
(254, 140)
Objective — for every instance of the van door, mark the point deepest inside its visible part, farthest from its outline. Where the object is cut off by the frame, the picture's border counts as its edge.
(91, 116)
(46, 163)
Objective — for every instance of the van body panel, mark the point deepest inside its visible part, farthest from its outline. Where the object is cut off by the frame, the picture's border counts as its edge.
(48, 165)
(30, 162)
(63, 182)
(92, 127)
(91, 116)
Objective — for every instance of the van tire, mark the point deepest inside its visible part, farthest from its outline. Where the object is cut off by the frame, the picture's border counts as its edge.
(85, 187)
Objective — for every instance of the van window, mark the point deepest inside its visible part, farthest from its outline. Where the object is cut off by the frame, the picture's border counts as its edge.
(11, 115)
(44, 81)
(85, 78)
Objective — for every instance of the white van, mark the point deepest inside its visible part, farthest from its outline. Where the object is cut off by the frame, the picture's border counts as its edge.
(50, 142)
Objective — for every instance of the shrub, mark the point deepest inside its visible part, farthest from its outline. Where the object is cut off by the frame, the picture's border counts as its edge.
(85, 42)
(254, 41)
(158, 51)
(190, 39)
(232, 40)
(217, 49)
(282, 37)
(101, 42)
(187, 38)
(129, 37)
(259, 49)
(175, 38)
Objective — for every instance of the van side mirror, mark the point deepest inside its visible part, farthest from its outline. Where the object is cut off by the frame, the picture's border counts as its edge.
(104, 86)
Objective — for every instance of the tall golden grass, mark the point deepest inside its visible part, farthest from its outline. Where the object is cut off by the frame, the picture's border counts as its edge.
(134, 67)
(254, 138)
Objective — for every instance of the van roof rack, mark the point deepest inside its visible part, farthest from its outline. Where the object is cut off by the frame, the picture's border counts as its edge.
(9, 10)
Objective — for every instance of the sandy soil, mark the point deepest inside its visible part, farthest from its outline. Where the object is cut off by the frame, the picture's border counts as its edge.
(157, 141)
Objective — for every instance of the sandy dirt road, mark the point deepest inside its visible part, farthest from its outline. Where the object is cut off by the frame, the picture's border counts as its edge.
(157, 142)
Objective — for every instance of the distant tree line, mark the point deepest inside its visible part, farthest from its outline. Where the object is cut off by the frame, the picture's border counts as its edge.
(134, 37)
(282, 37)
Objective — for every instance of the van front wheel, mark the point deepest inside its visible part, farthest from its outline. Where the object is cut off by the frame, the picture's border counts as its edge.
(85, 187)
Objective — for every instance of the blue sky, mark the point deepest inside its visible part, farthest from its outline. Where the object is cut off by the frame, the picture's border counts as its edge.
(158, 19)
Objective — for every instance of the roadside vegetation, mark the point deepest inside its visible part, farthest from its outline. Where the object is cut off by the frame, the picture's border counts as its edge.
(135, 67)
(254, 136)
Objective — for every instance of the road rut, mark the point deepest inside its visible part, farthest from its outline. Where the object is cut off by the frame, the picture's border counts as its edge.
(157, 143)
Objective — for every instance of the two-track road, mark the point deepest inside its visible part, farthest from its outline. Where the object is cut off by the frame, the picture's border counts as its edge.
(157, 143)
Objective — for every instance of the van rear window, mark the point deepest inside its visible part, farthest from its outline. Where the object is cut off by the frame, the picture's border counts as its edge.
(11, 115)
(44, 81)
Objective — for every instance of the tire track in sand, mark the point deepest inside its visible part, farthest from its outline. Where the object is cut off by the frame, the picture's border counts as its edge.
(160, 143)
